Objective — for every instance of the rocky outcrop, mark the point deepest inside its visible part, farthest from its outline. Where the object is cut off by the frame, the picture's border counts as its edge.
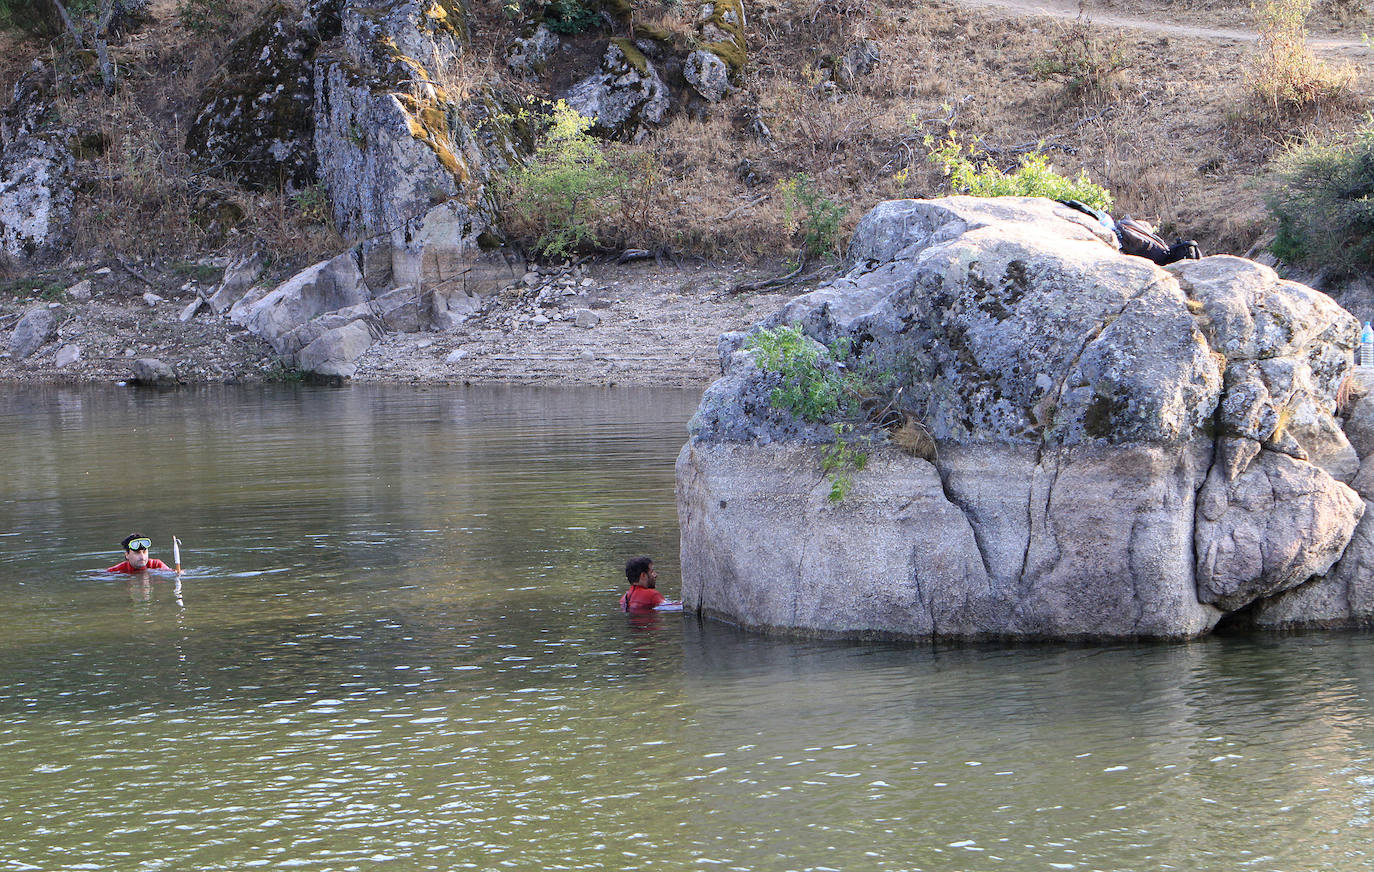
(348, 95)
(1115, 450)
(624, 96)
(325, 289)
(708, 75)
(36, 196)
(528, 55)
(256, 117)
(405, 170)
(720, 32)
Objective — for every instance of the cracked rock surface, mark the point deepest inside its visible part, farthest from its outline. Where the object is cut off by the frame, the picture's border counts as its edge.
(1121, 450)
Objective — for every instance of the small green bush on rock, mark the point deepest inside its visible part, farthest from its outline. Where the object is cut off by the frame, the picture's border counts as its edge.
(809, 389)
(813, 391)
(971, 171)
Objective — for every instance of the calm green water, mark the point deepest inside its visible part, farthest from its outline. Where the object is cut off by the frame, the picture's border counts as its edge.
(395, 647)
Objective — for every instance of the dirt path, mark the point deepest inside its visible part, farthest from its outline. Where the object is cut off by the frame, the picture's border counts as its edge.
(1070, 9)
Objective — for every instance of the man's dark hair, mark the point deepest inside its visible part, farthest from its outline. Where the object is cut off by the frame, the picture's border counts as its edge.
(131, 537)
(637, 566)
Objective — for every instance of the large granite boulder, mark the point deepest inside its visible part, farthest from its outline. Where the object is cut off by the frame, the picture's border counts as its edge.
(322, 289)
(1115, 450)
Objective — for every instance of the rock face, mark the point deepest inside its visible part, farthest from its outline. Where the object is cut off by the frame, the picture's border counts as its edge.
(404, 169)
(36, 198)
(528, 55)
(348, 95)
(1119, 450)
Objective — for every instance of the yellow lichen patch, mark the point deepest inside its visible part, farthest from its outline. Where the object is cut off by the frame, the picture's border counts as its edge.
(428, 122)
(448, 16)
(633, 55)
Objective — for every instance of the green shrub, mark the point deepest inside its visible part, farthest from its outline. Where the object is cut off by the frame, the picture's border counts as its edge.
(570, 16)
(816, 216)
(842, 459)
(813, 391)
(971, 171)
(203, 17)
(1322, 197)
(565, 190)
(1087, 63)
(36, 17)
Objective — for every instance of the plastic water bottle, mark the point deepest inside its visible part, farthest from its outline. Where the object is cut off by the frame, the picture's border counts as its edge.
(1367, 345)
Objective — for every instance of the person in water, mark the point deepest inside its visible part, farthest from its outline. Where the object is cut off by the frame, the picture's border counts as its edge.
(136, 557)
(643, 579)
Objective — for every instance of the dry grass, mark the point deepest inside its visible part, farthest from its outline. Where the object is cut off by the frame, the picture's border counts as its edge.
(914, 438)
(1286, 79)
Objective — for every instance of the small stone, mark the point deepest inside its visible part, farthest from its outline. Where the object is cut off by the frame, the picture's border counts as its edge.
(456, 355)
(586, 318)
(587, 283)
(129, 352)
(190, 311)
(151, 371)
(530, 279)
(67, 355)
(540, 321)
(424, 343)
(587, 356)
(103, 271)
(151, 298)
(81, 291)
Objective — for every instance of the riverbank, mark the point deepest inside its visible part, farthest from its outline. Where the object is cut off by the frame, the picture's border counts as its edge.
(597, 323)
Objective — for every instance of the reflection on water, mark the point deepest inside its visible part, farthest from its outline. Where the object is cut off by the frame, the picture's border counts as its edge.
(396, 646)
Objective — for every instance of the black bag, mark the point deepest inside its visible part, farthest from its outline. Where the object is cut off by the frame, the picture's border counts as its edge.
(1141, 241)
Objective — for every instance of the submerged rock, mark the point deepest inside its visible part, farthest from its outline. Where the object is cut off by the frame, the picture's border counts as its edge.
(1116, 450)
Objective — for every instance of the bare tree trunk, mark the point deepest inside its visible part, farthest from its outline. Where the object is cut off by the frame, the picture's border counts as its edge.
(71, 25)
(102, 49)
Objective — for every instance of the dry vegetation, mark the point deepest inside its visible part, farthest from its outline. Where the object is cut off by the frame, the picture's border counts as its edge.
(1168, 123)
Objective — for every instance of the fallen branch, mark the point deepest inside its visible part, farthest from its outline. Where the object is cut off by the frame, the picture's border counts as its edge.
(793, 278)
(751, 204)
(136, 274)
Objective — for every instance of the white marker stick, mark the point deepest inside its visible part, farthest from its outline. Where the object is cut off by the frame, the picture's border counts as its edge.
(176, 554)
